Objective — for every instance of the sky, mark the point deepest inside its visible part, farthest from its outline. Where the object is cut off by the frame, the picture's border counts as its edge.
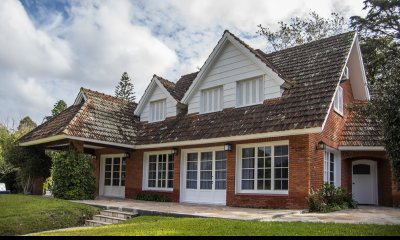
(51, 48)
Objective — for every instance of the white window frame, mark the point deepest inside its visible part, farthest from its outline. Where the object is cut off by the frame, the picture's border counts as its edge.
(338, 101)
(255, 97)
(239, 168)
(145, 179)
(216, 95)
(336, 167)
(162, 114)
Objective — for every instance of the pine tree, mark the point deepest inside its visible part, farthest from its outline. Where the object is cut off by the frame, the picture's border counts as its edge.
(124, 89)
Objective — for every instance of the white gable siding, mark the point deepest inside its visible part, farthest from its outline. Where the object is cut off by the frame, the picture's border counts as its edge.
(157, 94)
(231, 66)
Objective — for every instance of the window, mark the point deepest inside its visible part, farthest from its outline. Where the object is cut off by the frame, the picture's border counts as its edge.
(264, 169)
(114, 172)
(250, 92)
(158, 110)
(329, 167)
(160, 171)
(338, 101)
(212, 100)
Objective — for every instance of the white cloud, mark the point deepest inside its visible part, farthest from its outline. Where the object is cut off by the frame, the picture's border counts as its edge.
(48, 58)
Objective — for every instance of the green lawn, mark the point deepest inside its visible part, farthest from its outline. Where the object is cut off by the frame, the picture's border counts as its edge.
(22, 214)
(168, 226)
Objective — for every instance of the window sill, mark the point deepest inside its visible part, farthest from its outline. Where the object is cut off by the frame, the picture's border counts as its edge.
(158, 189)
(269, 193)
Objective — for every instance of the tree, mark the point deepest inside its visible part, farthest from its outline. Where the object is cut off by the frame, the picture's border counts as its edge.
(58, 107)
(380, 32)
(26, 124)
(124, 89)
(299, 31)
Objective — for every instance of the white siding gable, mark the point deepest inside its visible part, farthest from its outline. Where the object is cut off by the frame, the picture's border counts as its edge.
(231, 65)
(156, 95)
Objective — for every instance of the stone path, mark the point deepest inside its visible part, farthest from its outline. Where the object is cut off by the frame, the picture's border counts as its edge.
(364, 214)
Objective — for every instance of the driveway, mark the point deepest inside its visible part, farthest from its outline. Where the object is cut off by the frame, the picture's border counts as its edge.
(362, 215)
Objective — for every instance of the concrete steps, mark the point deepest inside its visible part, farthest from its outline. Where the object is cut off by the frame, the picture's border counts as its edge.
(107, 217)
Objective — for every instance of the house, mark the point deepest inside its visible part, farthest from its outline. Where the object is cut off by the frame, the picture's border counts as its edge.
(249, 129)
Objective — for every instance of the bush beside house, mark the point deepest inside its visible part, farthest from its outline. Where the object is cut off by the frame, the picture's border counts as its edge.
(329, 198)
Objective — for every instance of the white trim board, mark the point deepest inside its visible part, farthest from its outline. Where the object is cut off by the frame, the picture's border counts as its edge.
(361, 148)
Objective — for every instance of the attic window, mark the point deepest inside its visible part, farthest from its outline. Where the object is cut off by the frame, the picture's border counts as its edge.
(345, 73)
(338, 101)
(212, 100)
(250, 92)
(158, 110)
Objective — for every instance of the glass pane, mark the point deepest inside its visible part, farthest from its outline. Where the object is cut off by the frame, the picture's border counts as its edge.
(170, 183)
(220, 175)
(285, 162)
(220, 155)
(285, 185)
(116, 175)
(152, 183)
(170, 175)
(116, 161)
(122, 183)
(153, 158)
(206, 175)
(285, 173)
(278, 185)
(220, 165)
(116, 182)
(116, 168)
(267, 185)
(108, 161)
(247, 184)
(248, 152)
(278, 173)
(107, 182)
(107, 174)
(206, 156)
(152, 175)
(278, 162)
(192, 157)
(260, 163)
(260, 185)
(220, 185)
(267, 173)
(205, 184)
(152, 167)
(260, 173)
(248, 163)
(191, 184)
(191, 175)
(361, 169)
(192, 166)
(108, 167)
(247, 174)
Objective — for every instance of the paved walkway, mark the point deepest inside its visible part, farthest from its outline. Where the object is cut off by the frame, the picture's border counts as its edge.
(364, 214)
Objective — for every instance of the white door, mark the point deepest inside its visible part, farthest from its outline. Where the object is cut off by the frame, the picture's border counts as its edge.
(365, 182)
(204, 177)
(112, 179)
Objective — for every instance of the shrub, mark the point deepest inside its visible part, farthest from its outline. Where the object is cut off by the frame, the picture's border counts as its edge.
(72, 174)
(329, 198)
(152, 197)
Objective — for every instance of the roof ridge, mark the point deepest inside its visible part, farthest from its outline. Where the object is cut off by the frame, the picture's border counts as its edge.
(312, 42)
(106, 95)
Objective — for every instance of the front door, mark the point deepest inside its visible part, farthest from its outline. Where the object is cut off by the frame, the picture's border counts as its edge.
(365, 182)
(113, 175)
(204, 177)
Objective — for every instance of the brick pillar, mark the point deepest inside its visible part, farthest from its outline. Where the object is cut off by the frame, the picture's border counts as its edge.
(177, 176)
(230, 176)
(78, 145)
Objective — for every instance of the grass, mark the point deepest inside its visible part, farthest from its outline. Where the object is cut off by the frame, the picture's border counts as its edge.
(168, 226)
(22, 214)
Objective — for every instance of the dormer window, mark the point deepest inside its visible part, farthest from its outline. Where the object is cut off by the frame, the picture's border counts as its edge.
(345, 73)
(338, 101)
(250, 92)
(158, 110)
(212, 100)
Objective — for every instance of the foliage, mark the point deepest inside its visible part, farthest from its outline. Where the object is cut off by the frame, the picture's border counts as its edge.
(58, 107)
(124, 89)
(22, 214)
(329, 198)
(302, 30)
(152, 197)
(168, 226)
(26, 125)
(48, 185)
(72, 174)
(380, 31)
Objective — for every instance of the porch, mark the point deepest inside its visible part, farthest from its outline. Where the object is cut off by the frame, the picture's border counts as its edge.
(362, 215)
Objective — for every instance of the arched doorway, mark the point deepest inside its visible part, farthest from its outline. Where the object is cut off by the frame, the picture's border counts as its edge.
(365, 184)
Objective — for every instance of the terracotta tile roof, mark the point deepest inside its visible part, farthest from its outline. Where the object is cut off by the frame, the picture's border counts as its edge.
(100, 117)
(178, 89)
(315, 69)
(54, 126)
(360, 128)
